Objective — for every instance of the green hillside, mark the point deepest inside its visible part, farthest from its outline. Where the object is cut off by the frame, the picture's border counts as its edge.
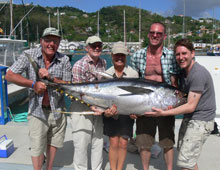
(77, 25)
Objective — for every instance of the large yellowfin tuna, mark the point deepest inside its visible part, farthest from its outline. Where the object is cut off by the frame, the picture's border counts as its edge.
(130, 95)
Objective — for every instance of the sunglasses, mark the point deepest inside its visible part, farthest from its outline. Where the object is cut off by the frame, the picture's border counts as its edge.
(158, 34)
(94, 46)
(48, 40)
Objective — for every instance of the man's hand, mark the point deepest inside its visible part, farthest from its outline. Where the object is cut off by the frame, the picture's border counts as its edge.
(39, 87)
(169, 107)
(108, 112)
(155, 113)
(43, 73)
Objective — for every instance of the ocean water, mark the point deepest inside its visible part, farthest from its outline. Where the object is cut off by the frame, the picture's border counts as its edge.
(107, 57)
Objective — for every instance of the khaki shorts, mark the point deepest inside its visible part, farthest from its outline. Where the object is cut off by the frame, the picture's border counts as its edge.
(42, 132)
(192, 136)
(146, 131)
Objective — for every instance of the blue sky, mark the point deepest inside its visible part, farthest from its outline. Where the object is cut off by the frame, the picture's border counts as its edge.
(194, 8)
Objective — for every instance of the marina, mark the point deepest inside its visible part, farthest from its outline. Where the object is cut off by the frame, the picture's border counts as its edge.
(18, 131)
(10, 50)
(12, 96)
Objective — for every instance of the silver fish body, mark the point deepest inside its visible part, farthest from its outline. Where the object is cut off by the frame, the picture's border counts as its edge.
(130, 95)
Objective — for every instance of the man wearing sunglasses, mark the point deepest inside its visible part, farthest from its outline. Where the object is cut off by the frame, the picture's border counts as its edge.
(155, 62)
(88, 129)
(45, 122)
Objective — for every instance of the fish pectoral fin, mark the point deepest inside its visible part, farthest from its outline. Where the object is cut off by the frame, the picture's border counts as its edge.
(135, 90)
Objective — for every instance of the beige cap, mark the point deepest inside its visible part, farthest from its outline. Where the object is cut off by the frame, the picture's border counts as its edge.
(119, 47)
(51, 31)
(93, 39)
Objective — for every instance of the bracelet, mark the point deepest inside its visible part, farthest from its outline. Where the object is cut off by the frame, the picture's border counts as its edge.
(32, 86)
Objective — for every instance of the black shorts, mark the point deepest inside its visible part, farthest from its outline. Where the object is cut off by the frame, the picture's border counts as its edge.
(146, 131)
(123, 126)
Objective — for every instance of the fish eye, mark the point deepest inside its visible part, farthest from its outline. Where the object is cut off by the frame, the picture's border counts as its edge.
(176, 92)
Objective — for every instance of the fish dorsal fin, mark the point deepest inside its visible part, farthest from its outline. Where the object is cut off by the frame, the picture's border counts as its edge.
(34, 64)
(136, 90)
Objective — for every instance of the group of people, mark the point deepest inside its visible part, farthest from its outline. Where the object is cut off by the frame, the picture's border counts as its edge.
(155, 62)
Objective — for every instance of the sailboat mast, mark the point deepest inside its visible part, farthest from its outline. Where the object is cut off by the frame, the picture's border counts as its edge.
(58, 19)
(49, 22)
(98, 25)
(21, 30)
(140, 26)
(124, 29)
(184, 9)
(168, 36)
(38, 34)
(213, 26)
(11, 17)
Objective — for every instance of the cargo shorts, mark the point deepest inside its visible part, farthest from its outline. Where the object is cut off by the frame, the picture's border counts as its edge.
(44, 132)
(147, 128)
(192, 136)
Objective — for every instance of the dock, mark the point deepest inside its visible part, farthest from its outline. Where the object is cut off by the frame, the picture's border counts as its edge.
(21, 160)
(16, 93)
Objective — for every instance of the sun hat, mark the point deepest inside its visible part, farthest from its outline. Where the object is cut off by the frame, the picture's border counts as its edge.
(51, 31)
(93, 39)
(119, 47)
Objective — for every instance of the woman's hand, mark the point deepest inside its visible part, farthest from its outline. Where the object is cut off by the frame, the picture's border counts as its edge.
(133, 116)
(97, 110)
(111, 111)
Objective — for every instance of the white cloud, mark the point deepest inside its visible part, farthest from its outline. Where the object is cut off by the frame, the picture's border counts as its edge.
(195, 8)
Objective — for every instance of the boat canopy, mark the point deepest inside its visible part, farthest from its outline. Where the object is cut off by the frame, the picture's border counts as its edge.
(10, 50)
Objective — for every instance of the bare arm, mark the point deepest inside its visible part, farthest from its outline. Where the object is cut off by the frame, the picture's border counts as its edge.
(39, 87)
(18, 79)
(189, 107)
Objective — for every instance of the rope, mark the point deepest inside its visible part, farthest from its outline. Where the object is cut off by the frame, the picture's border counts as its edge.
(20, 117)
(77, 113)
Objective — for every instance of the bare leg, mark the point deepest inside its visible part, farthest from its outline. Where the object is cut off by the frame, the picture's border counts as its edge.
(37, 161)
(122, 152)
(196, 168)
(51, 152)
(168, 156)
(113, 152)
(145, 158)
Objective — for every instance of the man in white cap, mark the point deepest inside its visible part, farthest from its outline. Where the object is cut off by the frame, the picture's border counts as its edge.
(88, 129)
(46, 125)
(119, 128)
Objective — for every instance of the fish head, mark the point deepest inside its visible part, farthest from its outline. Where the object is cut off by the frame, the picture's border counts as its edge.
(181, 97)
(172, 97)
